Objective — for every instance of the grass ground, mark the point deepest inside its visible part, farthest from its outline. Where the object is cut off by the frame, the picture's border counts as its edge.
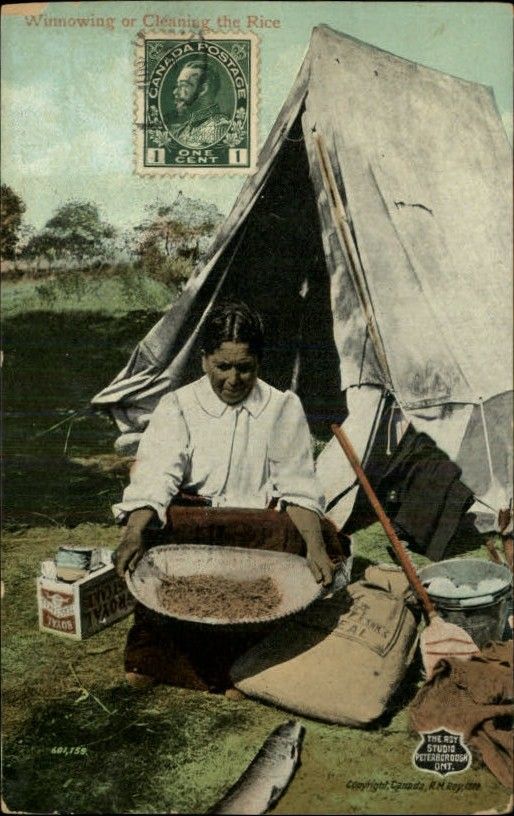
(53, 364)
(76, 738)
(168, 749)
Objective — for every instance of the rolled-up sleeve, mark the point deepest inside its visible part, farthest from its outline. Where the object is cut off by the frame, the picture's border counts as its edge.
(290, 455)
(161, 462)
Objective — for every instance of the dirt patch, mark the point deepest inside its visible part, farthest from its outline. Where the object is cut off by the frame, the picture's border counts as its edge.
(206, 596)
(106, 463)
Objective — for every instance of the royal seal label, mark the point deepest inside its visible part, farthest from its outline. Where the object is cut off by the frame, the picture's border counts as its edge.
(58, 611)
(196, 103)
(442, 752)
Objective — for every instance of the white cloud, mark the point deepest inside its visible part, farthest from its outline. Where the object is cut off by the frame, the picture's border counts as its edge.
(28, 114)
(48, 131)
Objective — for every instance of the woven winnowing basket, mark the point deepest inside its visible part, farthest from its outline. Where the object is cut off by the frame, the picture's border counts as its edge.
(290, 574)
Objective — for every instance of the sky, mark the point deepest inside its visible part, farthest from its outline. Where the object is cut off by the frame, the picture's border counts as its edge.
(67, 92)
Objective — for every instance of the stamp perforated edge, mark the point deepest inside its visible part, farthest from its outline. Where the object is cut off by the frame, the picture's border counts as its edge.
(160, 171)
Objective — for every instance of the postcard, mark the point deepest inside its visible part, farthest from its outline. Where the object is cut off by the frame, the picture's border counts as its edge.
(256, 269)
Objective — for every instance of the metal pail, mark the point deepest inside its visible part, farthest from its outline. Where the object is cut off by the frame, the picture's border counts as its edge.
(484, 617)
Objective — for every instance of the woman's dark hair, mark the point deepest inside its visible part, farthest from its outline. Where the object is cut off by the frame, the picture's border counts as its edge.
(232, 321)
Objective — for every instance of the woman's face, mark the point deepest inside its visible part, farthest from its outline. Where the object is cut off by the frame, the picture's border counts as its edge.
(232, 370)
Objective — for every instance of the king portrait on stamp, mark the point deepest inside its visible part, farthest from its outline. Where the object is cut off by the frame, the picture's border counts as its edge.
(196, 104)
(195, 93)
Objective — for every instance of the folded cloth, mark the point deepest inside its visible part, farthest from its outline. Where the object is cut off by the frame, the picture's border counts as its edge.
(474, 698)
(239, 527)
(432, 500)
(421, 490)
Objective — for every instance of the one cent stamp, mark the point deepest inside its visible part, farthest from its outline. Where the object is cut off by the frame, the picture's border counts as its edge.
(196, 103)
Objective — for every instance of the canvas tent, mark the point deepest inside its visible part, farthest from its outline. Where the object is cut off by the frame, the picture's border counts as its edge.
(375, 239)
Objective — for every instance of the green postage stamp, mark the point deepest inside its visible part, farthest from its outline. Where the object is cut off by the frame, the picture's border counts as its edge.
(196, 103)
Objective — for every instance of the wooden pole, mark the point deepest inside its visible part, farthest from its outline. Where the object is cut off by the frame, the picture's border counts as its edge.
(407, 565)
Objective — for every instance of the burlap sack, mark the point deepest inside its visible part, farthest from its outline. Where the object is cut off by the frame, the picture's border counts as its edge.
(342, 659)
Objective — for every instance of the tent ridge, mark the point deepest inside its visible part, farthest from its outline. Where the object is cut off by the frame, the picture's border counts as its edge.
(322, 29)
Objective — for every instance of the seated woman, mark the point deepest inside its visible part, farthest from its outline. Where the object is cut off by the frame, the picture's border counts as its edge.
(237, 442)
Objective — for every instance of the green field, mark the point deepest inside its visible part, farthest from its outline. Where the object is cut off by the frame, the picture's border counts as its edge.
(54, 362)
(163, 749)
(114, 293)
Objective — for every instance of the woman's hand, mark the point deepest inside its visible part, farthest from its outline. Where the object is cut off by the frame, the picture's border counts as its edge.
(307, 523)
(320, 564)
(129, 552)
(132, 546)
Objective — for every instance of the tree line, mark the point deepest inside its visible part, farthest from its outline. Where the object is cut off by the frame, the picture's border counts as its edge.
(166, 244)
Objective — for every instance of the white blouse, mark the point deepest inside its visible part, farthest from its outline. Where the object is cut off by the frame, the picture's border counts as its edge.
(236, 456)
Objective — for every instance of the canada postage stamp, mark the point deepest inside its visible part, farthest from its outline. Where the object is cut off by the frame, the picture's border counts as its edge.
(196, 103)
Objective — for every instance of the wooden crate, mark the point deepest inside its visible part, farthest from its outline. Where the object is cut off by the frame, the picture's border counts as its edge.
(79, 609)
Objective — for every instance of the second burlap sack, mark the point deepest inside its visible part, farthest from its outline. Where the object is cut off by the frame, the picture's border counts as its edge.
(342, 659)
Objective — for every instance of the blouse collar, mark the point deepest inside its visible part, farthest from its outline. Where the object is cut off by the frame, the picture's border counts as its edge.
(254, 403)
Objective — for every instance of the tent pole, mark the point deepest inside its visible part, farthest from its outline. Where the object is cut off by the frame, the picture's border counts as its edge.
(345, 237)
